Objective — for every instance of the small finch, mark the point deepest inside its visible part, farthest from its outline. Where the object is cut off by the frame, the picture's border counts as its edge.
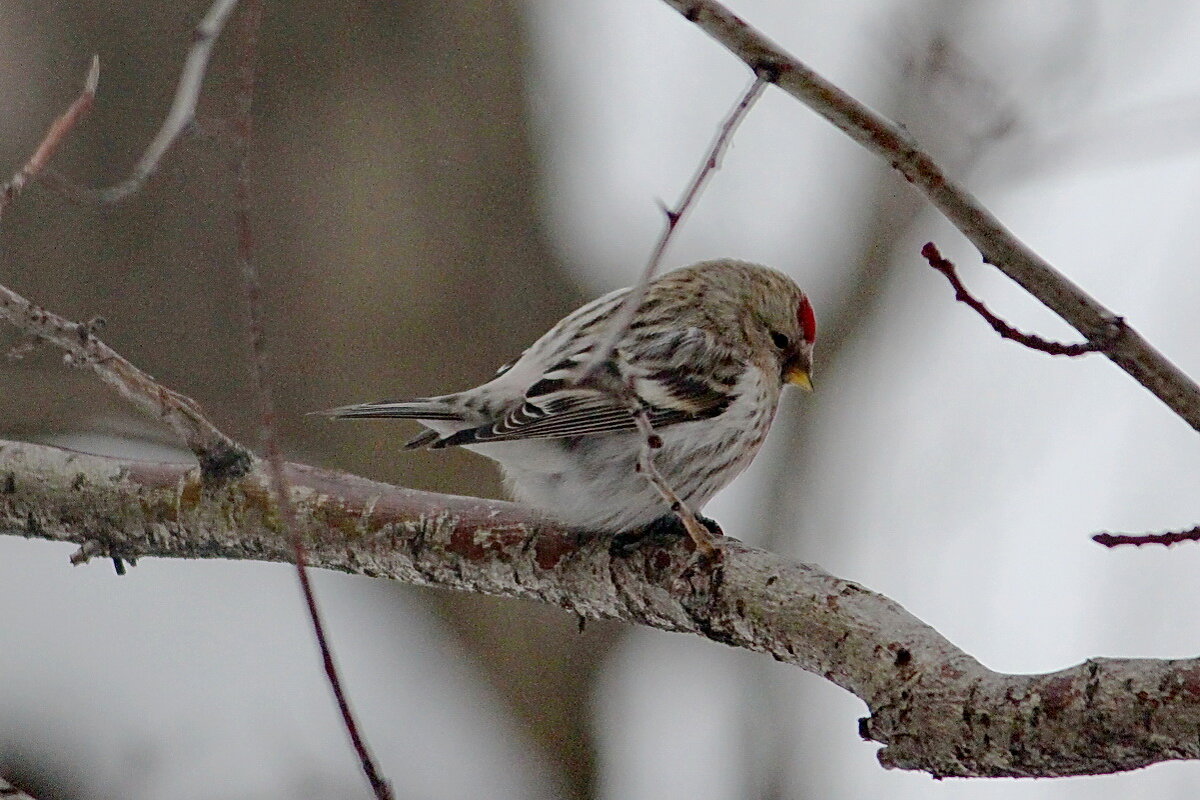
(707, 354)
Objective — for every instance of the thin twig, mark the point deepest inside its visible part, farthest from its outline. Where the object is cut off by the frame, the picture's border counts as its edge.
(220, 457)
(1166, 538)
(999, 246)
(1006, 331)
(592, 369)
(651, 442)
(620, 321)
(55, 135)
(180, 116)
(263, 390)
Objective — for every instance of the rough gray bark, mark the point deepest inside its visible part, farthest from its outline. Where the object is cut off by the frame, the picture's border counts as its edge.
(934, 707)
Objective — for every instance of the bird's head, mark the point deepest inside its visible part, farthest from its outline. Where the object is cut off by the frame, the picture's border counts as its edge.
(758, 310)
(792, 337)
(782, 324)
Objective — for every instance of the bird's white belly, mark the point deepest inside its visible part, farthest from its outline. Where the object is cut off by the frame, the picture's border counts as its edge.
(592, 482)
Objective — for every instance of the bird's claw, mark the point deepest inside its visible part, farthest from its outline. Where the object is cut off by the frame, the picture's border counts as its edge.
(666, 531)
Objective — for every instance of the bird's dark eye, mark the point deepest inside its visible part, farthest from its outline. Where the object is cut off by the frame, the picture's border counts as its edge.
(781, 341)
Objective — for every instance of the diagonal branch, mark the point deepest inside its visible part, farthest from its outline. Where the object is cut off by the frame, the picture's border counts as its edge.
(264, 391)
(998, 245)
(650, 443)
(619, 323)
(934, 707)
(179, 118)
(219, 455)
(54, 137)
(183, 107)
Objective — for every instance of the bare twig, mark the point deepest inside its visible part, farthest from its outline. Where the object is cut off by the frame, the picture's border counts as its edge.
(998, 245)
(619, 323)
(220, 457)
(935, 707)
(651, 442)
(54, 137)
(1166, 538)
(264, 392)
(591, 370)
(1006, 331)
(180, 117)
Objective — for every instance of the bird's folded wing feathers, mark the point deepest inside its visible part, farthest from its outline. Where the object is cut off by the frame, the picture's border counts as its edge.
(669, 398)
(678, 378)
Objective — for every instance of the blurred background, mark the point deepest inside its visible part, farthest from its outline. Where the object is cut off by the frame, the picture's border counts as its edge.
(438, 182)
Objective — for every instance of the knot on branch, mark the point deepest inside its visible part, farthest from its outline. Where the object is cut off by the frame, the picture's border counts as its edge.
(770, 71)
(223, 461)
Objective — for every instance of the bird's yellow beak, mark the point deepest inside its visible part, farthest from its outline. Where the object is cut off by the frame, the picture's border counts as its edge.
(799, 377)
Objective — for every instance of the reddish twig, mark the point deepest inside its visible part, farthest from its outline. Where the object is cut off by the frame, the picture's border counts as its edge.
(961, 294)
(1166, 538)
(54, 137)
(260, 369)
(619, 324)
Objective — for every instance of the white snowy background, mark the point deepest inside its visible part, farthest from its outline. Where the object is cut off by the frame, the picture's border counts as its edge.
(957, 473)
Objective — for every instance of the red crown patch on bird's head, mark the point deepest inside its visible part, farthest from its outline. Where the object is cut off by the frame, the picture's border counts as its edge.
(807, 319)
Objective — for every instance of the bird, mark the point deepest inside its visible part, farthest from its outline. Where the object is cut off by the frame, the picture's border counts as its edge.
(706, 356)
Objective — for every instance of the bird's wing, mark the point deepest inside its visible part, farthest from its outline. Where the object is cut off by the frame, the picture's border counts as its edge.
(673, 390)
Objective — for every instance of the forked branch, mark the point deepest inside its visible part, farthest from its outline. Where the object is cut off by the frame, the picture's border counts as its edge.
(1006, 331)
(220, 457)
(997, 243)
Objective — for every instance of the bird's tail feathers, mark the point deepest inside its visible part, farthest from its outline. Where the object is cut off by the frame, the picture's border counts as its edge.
(431, 409)
(426, 438)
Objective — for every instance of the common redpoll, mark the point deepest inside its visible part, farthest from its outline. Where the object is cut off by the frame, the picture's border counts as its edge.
(707, 354)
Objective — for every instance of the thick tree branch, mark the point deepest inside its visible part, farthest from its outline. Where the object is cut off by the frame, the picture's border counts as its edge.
(935, 707)
(998, 245)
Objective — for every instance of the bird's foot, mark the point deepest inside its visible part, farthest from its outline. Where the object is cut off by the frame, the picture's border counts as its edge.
(666, 531)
